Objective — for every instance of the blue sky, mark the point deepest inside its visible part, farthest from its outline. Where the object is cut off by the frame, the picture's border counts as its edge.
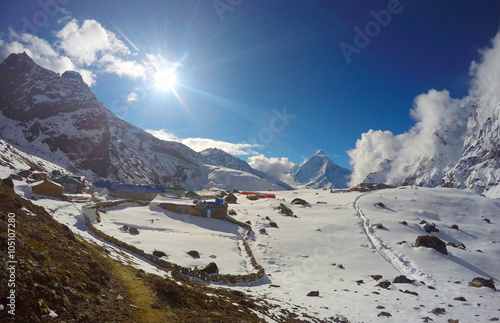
(258, 77)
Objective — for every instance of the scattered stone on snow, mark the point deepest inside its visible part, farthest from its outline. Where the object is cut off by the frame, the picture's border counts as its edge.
(384, 284)
(431, 242)
(193, 253)
(159, 254)
(438, 311)
(402, 279)
(211, 268)
(313, 293)
(376, 277)
(133, 230)
(231, 212)
(380, 204)
(482, 282)
(384, 314)
(460, 298)
(454, 227)
(430, 228)
(273, 224)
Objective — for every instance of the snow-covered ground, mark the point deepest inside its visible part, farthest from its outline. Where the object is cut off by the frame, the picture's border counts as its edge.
(333, 246)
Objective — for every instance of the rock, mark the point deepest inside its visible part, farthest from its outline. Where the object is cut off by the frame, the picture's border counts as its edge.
(384, 314)
(431, 242)
(238, 293)
(402, 279)
(263, 231)
(461, 246)
(273, 224)
(125, 227)
(133, 230)
(451, 244)
(359, 282)
(230, 198)
(454, 227)
(193, 253)
(404, 223)
(380, 307)
(313, 293)
(159, 254)
(211, 268)
(423, 222)
(430, 228)
(231, 212)
(453, 321)
(410, 292)
(460, 298)
(384, 284)
(285, 210)
(438, 311)
(378, 226)
(119, 297)
(482, 282)
(487, 220)
(248, 222)
(252, 197)
(402, 242)
(380, 204)
(299, 201)
(376, 277)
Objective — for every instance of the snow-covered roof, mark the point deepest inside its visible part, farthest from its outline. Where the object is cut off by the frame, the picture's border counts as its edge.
(173, 199)
(136, 188)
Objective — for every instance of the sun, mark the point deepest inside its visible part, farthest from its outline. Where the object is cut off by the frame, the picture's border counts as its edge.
(165, 79)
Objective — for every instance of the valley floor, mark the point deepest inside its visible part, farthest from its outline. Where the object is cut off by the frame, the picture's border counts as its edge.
(333, 245)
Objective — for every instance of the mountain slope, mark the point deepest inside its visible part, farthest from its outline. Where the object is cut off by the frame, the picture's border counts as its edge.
(219, 157)
(321, 172)
(464, 154)
(59, 119)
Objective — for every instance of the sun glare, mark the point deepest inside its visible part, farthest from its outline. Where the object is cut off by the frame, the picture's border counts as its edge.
(165, 79)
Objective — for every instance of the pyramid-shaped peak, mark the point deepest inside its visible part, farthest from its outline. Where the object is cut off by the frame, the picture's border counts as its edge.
(19, 59)
(320, 153)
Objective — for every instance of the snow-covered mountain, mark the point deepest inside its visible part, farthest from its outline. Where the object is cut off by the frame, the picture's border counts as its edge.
(219, 157)
(59, 119)
(321, 172)
(463, 153)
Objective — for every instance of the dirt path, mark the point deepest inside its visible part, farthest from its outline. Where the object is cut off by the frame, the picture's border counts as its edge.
(141, 296)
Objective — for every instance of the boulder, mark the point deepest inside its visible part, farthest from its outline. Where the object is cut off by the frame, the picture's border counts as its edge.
(431, 242)
(133, 230)
(454, 227)
(273, 224)
(380, 204)
(430, 228)
(159, 253)
(231, 212)
(211, 268)
(402, 279)
(314, 293)
(285, 210)
(193, 253)
(230, 198)
(252, 197)
(482, 282)
(299, 201)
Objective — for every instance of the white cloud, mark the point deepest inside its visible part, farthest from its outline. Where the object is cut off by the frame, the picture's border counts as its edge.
(89, 49)
(199, 144)
(83, 44)
(436, 114)
(276, 167)
(123, 68)
(132, 97)
(43, 54)
(485, 82)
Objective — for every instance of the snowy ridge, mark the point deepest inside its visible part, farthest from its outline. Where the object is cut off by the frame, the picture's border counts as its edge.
(321, 172)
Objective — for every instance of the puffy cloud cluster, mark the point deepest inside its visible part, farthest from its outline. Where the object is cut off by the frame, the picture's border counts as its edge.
(279, 168)
(88, 48)
(199, 144)
(434, 113)
(486, 78)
